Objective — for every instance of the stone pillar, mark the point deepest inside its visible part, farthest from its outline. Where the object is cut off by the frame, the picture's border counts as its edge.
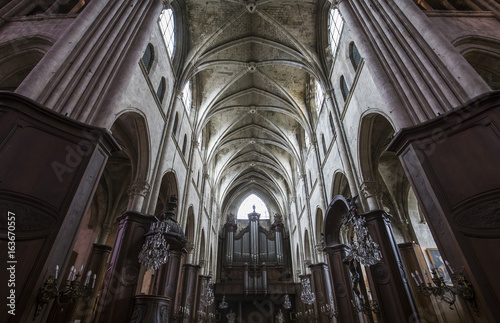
(136, 194)
(371, 193)
(200, 303)
(452, 164)
(380, 29)
(322, 289)
(389, 280)
(188, 291)
(45, 191)
(170, 278)
(122, 275)
(87, 88)
(342, 284)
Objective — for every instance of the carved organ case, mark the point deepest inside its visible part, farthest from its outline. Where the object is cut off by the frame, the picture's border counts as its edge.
(254, 255)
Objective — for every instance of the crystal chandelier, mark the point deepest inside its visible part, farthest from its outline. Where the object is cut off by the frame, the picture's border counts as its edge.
(223, 305)
(307, 295)
(155, 249)
(287, 304)
(208, 297)
(363, 249)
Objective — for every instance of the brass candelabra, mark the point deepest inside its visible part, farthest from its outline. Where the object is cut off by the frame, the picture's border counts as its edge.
(69, 291)
(329, 311)
(437, 287)
(366, 307)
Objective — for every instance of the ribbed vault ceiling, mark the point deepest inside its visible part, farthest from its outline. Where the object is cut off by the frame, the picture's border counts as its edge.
(250, 63)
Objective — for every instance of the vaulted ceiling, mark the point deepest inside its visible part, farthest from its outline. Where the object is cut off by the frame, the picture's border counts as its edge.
(250, 64)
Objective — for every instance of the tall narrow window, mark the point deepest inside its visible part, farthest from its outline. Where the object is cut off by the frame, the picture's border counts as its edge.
(176, 123)
(343, 87)
(147, 58)
(324, 143)
(160, 93)
(186, 96)
(247, 207)
(319, 96)
(184, 145)
(355, 56)
(332, 126)
(167, 29)
(336, 25)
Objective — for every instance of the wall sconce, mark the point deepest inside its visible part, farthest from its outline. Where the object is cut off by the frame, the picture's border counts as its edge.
(365, 307)
(329, 311)
(307, 315)
(69, 291)
(182, 312)
(437, 287)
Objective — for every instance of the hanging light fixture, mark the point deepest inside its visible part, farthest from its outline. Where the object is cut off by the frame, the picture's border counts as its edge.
(363, 249)
(287, 304)
(223, 304)
(155, 249)
(307, 295)
(208, 296)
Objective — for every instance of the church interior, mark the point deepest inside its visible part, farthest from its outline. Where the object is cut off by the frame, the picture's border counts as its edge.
(250, 161)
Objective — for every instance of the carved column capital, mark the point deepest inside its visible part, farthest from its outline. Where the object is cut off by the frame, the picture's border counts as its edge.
(140, 187)
(370, 189)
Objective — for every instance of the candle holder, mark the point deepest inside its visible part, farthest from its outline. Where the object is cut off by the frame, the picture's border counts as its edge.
(182, 312)
(437, 287)
(329, 311)
(69, 291)
(366, 307)
(307, 315)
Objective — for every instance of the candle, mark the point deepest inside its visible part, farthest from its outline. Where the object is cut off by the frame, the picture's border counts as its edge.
(419, 278)
(449, 267)
(414, 278)
(93, 281)
(81, 269)
(57, 271)
(74, 274)
(71, 272)
(87, 279)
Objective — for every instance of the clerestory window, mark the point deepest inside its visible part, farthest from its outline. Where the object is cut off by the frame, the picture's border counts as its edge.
(166, 23)
(335, 25)
(247, 207)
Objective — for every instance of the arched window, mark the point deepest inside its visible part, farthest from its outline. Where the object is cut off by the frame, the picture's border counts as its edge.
(343, 87)
(247, 207)
(184, 145)
(354, 55)
(166, 23)
(176, 123)
(148, 57)
(160, 93)
(186, 96)
(335, 25)
(319, 95)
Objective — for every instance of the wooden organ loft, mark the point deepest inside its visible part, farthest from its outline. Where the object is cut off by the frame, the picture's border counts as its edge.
(255, 264)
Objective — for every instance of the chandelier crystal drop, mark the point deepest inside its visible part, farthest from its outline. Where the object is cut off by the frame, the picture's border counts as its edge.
(307, 295)
(155, 249)
(363, 249)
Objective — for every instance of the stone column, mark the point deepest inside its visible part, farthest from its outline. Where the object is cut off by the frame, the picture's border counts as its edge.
(188, 291)
(371, 193)
(136, 194)
(341, 282)
(170, 278)
(122, 275)
(380, 29)
(87, 88)
(389, 278)
(322, 289)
